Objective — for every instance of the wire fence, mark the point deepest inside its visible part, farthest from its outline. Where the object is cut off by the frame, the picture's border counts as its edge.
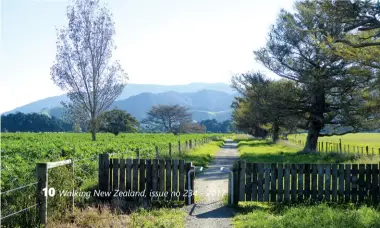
(339, 147)
(7, 213)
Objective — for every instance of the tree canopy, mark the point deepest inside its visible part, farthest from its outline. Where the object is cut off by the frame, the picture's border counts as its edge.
(116, 121)
(330, 86)
(167, 117)
(265, 103)
(84, 66)
(33, 122)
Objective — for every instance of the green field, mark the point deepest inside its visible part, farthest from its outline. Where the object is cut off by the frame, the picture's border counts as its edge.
(357, 139)
(287, 152)
(21, 151)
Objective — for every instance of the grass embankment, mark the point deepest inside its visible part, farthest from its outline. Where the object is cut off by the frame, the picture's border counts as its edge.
(203, 155)
(305, 216)
(333, 215)
(287, 152)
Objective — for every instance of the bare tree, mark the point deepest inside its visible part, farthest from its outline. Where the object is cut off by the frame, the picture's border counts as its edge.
(84, 66)
(167, 117)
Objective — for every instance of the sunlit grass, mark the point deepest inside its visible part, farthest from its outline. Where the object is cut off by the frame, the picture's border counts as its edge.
(356, 139)
(203, 155)
(285, 152)
(305, 216)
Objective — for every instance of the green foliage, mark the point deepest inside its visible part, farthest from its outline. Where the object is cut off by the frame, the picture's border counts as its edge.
(265, 103)
(205, 154)
(331, 87)
(33, 122)
(217, 127)
(116, 121)
(167, 118)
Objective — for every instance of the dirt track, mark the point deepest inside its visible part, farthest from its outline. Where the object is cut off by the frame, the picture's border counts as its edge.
(211, 185)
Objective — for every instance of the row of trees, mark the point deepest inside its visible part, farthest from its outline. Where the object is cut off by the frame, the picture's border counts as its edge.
(326, 53)
(161, 118)
(32, 123)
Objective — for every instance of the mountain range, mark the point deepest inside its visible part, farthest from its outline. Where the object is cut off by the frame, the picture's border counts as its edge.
(205, 100)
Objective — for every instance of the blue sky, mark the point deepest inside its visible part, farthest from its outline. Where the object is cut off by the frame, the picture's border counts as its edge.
(159, 42)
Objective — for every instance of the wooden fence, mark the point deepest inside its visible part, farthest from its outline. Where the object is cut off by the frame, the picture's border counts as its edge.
(299, 182)
(172, 150)
(160, 179)
(340, 147)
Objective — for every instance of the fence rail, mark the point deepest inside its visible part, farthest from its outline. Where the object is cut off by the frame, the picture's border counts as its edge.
(166, 179)
(273, 182)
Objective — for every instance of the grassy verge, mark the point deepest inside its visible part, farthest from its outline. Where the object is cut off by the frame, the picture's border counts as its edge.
(104, 217)
(203, 155)
(285, 152)
(323, 215)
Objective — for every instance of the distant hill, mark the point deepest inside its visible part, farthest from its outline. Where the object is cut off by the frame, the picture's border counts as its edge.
(130, 90)
(205, 104)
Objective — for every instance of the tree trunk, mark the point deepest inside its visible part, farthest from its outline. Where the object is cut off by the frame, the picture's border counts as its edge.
(316, 120)
(312, 137)
(275, 131)
(93, 134)
(93, 128)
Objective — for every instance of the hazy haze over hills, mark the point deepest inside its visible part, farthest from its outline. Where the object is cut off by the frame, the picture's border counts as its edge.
(205, 100)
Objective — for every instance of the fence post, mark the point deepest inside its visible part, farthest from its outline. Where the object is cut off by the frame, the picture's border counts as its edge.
(242, 180)
(138, 153)
(188, 167)
(187, 145)
(42, 177)
(327, 147)
(340, 145)
(235, 169)
(195, 142)
(179, 147)
(366, 149)
(157, 152)
(170, 150)
(103, 172)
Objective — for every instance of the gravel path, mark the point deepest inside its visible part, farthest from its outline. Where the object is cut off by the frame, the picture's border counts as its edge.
(211, 185)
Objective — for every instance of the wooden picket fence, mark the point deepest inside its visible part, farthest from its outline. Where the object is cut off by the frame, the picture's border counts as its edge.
(152, 175)
(272, 182)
